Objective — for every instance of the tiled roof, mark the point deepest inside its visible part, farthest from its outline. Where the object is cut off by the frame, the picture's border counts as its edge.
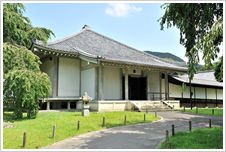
(202, 78)
(93, 44)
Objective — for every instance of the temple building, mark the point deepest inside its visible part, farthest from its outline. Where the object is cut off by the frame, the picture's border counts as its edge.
(113, 74)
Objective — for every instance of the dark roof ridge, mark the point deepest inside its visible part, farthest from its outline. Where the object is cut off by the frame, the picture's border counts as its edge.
(171, 62)
(68, 37)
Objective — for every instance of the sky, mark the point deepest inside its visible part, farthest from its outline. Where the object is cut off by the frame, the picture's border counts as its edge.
(134, 24)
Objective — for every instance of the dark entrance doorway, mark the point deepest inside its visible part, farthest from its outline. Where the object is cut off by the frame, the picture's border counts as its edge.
(137, 88)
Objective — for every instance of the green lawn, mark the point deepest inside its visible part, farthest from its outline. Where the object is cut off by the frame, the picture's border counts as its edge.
(209, 138)
(204, 111)
(40, 130)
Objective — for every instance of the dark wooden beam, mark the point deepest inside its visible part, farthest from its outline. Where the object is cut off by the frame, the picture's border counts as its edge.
(216, 97)
(206, 95)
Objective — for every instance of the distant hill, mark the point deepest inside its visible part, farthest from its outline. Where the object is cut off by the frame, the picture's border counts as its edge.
(165, 55)
(169, 55)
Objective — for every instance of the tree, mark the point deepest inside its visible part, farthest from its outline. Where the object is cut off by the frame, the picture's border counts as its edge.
(219, 70)
(24, 83)
(18, 28)
(201, 29)
(205, 67)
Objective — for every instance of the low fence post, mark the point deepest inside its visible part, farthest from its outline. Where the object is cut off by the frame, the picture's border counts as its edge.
(172, 130)
(167, 136)
(25, 140)
(78, 125)
(155, 113)
(144, 117)
(184, 108)
(54, 131)
(196, 109)
(103, 121)
(125, 119)
(189, 125)
(210, 123)
(168, 145)
(212, 111)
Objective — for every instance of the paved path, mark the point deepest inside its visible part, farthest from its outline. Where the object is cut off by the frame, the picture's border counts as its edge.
(140, 136)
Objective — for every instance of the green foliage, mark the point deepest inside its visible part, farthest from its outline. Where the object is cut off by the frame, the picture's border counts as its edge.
(16, 57)
(219, 70)
(205, 67)
(165, 55)
(169, 59)
(201, 28)
(169, 56)
(24, 83)
(183, 87)
(18, 28)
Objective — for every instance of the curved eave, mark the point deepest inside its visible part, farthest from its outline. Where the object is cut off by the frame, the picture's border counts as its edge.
(201, 84)
(183, 70)
(94, 59)
(61, 53)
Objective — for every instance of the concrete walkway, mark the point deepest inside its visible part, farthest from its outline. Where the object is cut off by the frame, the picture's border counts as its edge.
(140, 136)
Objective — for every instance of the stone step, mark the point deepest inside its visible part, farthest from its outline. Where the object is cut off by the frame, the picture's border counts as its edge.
(159, 110)
(158, 106)
(153, 106)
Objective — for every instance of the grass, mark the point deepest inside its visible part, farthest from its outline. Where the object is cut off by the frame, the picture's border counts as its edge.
(209, 138)
(204, 111)
(40, 130)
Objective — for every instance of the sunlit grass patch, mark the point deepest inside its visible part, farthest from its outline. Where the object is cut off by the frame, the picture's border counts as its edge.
(209, 138)
(204, 111)
(40, 130)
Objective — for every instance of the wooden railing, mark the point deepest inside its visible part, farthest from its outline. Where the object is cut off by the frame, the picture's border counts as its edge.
(153, 95)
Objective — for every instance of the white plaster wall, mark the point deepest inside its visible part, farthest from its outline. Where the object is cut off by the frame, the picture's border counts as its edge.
(211, 93)
(88, 82)
(130, 72)
(200, 93)
(174, 90)
(111, 83)
(219, 93)
(186, 93)
(47, 67)
(69, 77)
(153, 83)
(84, 63)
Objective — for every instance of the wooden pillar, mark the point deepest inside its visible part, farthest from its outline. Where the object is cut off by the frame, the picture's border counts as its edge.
(126, 85)
(166, 86)
(48, 105)
(68, 105)
(80, 78)
(55, 61)
(182, 95)
(206, 95)
(216, 97)
(147, 84)
(121, 90)
(96, 83)
(194, 96)
(101, 84)
(160, 83)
